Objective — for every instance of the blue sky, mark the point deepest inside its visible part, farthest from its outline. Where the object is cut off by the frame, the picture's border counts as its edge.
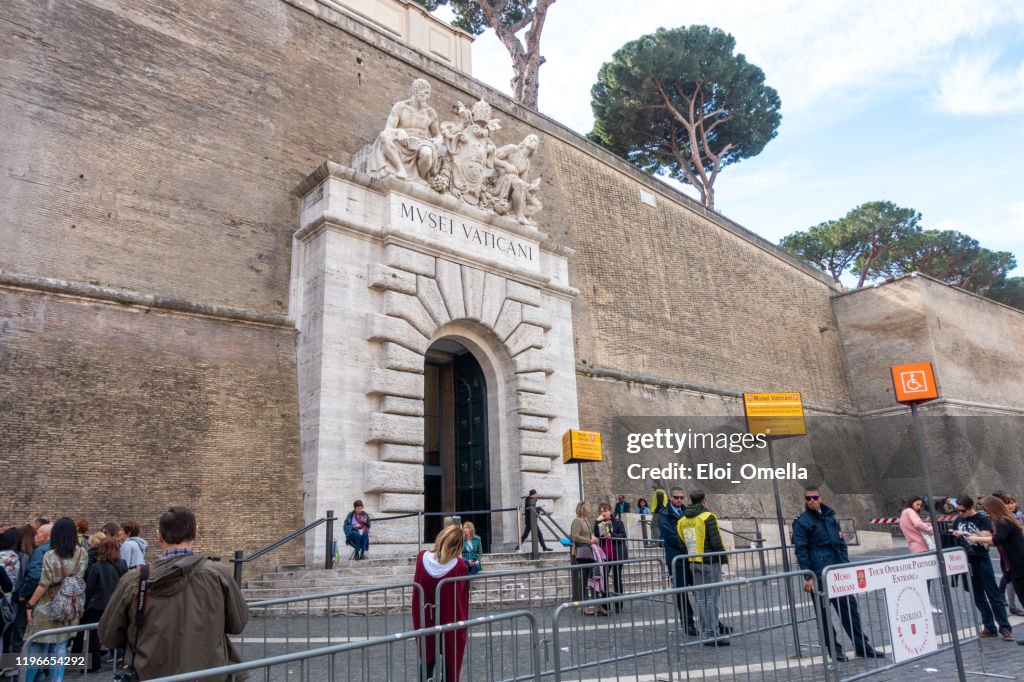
(919, 103)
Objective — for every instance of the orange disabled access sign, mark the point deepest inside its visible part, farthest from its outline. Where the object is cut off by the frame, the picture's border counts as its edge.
(775, 414)
(581, 446)
(914, 382)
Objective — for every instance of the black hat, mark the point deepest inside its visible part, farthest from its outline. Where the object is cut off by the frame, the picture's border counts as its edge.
(533, 491)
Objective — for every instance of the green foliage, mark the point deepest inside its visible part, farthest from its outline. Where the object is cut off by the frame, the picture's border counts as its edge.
(1009, 291)
(469, 17)
(680, 103)
(879, 240)
(508, 18)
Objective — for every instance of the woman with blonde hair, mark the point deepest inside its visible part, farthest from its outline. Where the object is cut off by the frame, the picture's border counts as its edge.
(471, 548)
(432, 567)
(582, 554)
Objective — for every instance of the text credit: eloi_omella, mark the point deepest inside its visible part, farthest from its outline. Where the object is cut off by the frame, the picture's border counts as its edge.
(717, 452)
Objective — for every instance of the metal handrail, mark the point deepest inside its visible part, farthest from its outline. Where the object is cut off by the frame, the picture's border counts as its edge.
(239, 560)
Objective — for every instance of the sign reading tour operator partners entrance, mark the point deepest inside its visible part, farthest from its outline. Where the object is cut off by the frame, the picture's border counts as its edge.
(452, 232)
(905, 581)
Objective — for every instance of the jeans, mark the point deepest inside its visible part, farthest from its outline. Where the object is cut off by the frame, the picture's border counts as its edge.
(987, 596)
(41, 649)
(705, 573)
(360, 541)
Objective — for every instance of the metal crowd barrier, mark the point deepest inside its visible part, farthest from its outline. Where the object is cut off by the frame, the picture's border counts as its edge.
(507, 660)
(543, 588)
(646, 640)
(873, 613)
(277, 626)
(71, 630)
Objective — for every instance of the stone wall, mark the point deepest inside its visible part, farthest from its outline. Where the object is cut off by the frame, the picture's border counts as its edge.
(973, 432)
(152, 146)
(114, 412)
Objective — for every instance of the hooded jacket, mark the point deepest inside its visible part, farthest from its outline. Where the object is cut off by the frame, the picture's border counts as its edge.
(191, 606)
(133, 551)
(818, 541)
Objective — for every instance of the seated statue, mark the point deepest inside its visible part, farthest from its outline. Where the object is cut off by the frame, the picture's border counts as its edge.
(409, 146)
(511, 188)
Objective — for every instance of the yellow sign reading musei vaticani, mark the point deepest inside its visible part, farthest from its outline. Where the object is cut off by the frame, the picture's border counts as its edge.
(775, 414)
(581, 446)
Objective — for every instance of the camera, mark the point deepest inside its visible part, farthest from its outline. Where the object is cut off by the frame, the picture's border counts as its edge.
(126, 674)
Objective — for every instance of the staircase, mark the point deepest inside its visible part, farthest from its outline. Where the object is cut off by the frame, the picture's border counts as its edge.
(512, 591)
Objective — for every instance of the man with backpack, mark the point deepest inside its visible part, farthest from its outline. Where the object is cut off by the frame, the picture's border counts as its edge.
(187, 604)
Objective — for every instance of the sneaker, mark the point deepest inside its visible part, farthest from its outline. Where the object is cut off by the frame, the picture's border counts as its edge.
(589, 611)
(717, 642)
(989, 633)
(1017, 612)
(936, 611)
(692, 631)
(548, 549)
(1007, 634)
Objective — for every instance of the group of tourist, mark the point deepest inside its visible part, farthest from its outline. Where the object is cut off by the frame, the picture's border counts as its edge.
(38, 558)
(58, 575)
(999, 523)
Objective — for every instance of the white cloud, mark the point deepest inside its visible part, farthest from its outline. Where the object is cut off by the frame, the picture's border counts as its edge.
(976, 85)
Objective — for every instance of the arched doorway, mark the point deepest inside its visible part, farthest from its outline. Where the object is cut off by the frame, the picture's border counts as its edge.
(456, 474)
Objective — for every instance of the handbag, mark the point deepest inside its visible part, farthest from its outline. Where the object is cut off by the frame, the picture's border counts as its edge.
(7, 612)
(584, 552)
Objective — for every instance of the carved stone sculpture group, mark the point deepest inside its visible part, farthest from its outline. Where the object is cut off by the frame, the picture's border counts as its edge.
(454, 157)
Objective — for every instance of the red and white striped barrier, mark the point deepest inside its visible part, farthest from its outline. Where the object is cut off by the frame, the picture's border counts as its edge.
(895, 519)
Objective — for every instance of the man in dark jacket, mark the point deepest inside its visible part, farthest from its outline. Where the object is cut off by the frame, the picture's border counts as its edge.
(819, 544)
(668, 519)
(699, 533)
(192, 605)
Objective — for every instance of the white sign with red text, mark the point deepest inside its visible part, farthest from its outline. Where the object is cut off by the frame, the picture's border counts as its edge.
(905, 582)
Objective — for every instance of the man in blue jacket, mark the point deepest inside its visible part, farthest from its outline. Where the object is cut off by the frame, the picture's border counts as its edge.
(819, 544)
(668, 519)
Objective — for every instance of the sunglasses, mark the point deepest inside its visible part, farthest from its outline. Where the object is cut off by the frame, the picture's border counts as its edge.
(812, 497)
(677, 497)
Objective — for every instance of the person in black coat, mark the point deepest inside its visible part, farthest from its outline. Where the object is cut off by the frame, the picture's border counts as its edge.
(100, 580)
(819, 544)
(611, 534)
(668, 518)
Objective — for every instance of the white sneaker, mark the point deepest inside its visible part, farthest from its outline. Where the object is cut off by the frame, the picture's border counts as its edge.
(936, 611)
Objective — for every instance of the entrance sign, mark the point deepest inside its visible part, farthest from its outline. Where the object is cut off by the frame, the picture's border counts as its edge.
(775, 414)
(914, 382)
(581, 446)
(905, 581)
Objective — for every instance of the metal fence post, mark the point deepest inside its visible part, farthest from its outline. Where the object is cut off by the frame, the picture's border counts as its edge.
(238, 567)
(534, 532)
(329, 554)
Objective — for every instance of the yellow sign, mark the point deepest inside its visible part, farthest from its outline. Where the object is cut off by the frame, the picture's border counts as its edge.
(581, 446)
(775, 414)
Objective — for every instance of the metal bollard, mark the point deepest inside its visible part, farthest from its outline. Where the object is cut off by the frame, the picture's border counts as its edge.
(329, 552)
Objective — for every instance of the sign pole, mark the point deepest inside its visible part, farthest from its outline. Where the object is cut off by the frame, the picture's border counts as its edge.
(579, 472)
(785, 549)
(947, 598)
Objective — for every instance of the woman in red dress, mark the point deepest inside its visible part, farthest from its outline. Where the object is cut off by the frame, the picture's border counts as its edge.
(433, 566)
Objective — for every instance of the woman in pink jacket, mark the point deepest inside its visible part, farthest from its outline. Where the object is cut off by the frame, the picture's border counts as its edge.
(913, 526)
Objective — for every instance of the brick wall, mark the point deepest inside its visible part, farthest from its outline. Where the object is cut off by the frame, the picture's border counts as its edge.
(113, 412)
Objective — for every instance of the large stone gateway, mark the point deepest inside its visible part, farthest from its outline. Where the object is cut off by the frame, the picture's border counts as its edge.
(436, 362)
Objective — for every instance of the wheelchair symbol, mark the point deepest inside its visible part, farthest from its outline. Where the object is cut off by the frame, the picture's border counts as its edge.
(914, 382)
